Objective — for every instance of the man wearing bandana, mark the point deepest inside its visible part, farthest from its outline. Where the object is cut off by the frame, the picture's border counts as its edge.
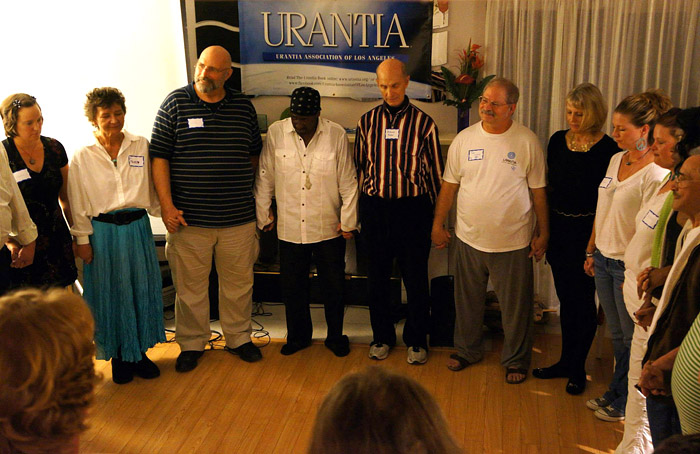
(307, 166)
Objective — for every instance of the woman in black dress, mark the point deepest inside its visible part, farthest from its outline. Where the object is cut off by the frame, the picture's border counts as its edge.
(577, 159)
(40, 167)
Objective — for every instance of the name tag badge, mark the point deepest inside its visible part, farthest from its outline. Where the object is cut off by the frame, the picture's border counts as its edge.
(476, 155)
(136, 161)
(21, 175)
(195, 122)
(650, 219)
(391, 134)
(605, 183)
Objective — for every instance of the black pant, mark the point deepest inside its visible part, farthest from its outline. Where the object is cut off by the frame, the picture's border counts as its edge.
(295, 261)
(5, 260)
(398, 228)
(576, 290)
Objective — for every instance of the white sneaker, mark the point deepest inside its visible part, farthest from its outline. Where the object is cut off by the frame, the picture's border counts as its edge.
(378, 351)
(417, 355)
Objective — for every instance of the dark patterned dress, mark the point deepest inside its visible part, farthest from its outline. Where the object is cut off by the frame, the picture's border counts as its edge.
(54, 264)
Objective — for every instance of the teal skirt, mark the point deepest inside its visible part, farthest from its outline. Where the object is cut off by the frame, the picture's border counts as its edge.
(123, 288)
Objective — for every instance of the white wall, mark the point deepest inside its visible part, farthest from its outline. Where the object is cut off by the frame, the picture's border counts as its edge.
(59, 50)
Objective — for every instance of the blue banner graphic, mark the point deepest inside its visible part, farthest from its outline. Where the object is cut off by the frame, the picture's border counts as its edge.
(333, 46)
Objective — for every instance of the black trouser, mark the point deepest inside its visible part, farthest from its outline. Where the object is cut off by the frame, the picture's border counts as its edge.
(576, 290)
(295, 261)
(398, 228)
(5, 260)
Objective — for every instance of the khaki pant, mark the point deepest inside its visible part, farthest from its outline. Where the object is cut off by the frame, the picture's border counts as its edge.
(189, 252)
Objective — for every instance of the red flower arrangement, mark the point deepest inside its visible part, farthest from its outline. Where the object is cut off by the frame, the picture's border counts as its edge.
(463, 87)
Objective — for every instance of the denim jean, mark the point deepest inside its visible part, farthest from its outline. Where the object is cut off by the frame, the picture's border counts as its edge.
(609, 277)
(663, 418)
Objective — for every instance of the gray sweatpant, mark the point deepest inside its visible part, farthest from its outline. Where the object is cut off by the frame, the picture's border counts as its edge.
(512, 279)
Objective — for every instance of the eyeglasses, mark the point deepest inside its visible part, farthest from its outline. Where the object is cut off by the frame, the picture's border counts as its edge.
(493, 104)
(202, 68)
(679, 178)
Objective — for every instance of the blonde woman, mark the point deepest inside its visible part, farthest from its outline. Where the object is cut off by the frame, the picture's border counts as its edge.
(576, 161)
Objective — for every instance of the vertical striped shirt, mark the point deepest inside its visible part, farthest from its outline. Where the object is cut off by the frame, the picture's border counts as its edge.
(408, 165)
(211, 176)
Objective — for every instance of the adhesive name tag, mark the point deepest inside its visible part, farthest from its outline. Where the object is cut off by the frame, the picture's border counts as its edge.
(605, 183)
(21, 175)
(476, 155)
(195, 122)
(391, 134)
(136, 161)
(650, 219)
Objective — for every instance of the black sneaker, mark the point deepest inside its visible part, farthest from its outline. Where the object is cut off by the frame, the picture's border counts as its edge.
(187, 360)
(248, 352)
(145, 368)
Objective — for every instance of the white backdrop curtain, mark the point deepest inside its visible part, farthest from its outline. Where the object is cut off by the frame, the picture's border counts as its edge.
(549, 46)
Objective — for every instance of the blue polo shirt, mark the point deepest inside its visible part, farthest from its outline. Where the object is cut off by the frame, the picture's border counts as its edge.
(209, 149)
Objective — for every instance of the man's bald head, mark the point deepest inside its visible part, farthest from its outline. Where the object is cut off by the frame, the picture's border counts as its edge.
(217, 54)
(392, 81)
(212, 70)
(392, 66)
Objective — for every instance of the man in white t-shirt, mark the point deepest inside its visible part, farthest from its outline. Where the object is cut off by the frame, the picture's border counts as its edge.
(497, 169)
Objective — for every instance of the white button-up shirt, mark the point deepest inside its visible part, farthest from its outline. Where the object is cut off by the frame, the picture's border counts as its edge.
(307, 214)
(14, 217)
(96, 185)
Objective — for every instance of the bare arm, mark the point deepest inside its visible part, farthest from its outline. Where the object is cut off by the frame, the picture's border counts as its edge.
(440, 235)
(588, 266)
(540, 239)
(172, 217)
(63, 196)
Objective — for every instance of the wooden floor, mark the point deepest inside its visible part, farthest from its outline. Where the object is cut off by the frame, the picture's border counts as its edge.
(228, 406)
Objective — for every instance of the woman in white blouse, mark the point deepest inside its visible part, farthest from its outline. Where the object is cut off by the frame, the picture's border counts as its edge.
(110, 189)
(631, 180)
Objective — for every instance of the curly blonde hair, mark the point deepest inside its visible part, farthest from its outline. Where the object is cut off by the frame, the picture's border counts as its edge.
(47, 375)
(380, 412)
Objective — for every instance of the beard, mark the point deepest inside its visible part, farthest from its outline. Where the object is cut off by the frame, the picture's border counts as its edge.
(205, 85)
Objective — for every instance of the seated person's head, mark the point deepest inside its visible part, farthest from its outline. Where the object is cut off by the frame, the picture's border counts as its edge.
(47, 373)
(680, 444)
(379, 412)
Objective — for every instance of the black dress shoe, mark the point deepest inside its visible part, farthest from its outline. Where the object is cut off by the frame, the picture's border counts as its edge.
(248, 352)
(576, 387)
(145, 368)
(122, 371)
(554, 371)
(339, 346)
(187, 360)
(291, 348)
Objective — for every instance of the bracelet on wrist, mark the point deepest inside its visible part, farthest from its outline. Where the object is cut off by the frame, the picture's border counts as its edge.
(589, 254)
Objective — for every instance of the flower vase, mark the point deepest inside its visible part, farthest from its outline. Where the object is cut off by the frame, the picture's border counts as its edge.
(462, 119)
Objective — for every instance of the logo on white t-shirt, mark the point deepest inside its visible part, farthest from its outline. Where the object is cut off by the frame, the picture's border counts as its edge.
(510, 160)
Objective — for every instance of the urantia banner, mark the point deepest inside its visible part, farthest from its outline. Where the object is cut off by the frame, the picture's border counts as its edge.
(333, 46)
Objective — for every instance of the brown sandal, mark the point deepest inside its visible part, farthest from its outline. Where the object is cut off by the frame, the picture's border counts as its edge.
(463, 363)
(516, 370)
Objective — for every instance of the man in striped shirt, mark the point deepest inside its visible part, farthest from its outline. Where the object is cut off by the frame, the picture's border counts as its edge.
(204, 146)
(397, 155)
